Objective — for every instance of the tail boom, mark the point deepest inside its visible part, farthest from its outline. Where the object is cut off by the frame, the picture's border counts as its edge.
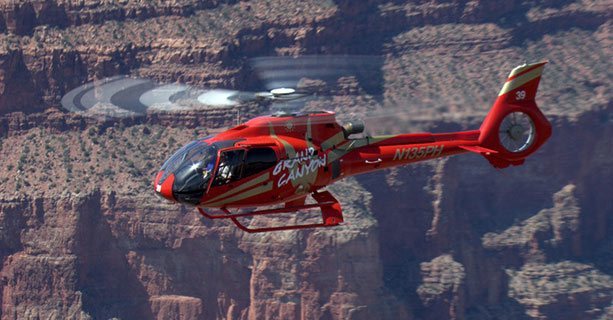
(512, 130)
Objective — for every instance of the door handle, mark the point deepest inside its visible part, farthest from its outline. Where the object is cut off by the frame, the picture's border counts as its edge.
(373, 161)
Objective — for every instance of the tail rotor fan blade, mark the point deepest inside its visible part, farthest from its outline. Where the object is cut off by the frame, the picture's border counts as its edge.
(516, 132)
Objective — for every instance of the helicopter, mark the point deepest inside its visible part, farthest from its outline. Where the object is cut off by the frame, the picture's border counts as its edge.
(281, 159)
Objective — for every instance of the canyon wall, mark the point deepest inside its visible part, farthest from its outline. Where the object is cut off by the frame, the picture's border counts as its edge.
(451, 238)
(82, 235)
(51, 47)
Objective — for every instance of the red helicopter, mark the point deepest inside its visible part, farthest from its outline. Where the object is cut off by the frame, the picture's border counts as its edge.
(283, 158)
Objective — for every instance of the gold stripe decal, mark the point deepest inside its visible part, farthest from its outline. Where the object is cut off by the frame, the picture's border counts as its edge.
(519, 69)
(289, 149)
(355, 144)
(242, 187)
(332, 141)
(247, 194)
(513, 84)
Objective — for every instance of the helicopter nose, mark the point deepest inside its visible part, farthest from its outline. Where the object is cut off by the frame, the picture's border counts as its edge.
(165, 188)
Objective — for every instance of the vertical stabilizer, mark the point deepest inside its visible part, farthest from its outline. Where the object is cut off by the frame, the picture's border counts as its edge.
(515, 127)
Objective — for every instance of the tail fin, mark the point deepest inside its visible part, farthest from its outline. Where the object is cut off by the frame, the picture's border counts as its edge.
(515, 127)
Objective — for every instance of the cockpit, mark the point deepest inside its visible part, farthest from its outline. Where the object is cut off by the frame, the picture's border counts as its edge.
(186, 176)
(192, 167)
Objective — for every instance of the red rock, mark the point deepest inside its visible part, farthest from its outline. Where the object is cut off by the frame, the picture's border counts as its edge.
(176, 307)
(82, 236)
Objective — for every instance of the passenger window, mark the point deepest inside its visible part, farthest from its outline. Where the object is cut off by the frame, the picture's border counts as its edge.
(258, 160)
(230, 167)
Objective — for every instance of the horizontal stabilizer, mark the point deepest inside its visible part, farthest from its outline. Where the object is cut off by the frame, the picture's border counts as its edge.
(478, 149)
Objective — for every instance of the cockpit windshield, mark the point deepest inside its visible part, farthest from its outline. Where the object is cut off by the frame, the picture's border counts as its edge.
(193, 167)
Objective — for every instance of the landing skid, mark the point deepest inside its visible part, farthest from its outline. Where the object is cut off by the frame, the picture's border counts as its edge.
(331, 214)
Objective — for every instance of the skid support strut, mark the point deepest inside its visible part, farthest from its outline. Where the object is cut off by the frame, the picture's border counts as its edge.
(331, 214)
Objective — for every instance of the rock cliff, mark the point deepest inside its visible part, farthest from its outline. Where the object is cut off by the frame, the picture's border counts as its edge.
(83, 237)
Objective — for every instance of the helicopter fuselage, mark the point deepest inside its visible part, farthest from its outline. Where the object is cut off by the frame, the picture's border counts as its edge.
(278, 159)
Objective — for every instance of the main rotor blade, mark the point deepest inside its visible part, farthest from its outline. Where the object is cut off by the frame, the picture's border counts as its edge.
(349, 85)
(283, 71)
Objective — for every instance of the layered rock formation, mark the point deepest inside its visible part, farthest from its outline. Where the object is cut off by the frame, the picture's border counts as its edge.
(83, 237)
(208, 47)
(103, 250)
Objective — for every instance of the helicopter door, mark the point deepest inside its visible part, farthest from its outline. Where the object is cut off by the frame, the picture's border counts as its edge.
(230, 167)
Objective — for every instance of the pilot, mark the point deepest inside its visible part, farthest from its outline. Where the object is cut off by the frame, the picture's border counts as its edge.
(229, 166)
(224, 171)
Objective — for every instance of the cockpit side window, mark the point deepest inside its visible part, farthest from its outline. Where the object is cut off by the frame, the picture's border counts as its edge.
(258, 160)
(230, 167)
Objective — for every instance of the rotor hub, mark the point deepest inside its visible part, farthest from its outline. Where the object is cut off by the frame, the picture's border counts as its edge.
(516, 132)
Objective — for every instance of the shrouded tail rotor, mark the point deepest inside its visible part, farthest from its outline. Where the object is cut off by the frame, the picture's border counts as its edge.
(515, 127)
(516, 132)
